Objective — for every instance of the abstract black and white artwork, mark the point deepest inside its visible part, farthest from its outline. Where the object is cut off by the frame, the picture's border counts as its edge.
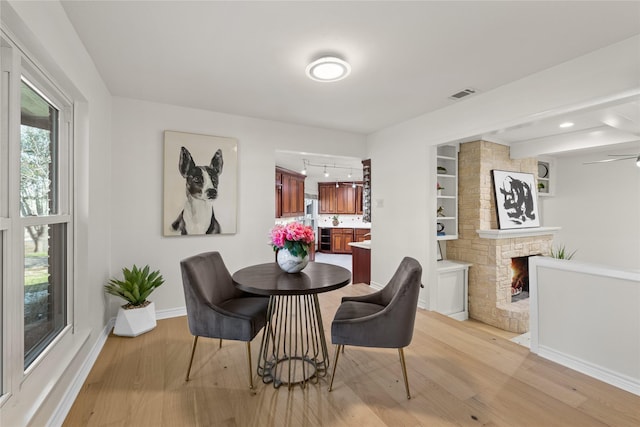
(516, 199)
(200, 184)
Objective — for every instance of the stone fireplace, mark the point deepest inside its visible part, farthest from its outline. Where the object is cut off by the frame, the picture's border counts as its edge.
(481, 243)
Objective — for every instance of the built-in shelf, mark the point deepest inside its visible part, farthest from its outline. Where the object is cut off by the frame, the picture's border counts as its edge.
(518, 232)
(447, 199)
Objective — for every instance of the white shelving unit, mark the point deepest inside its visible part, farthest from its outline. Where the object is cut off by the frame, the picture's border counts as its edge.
(447, 177)
(546, 177)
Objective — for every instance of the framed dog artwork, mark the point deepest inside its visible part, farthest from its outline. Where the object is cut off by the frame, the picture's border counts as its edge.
(200, 184)
(516, 199)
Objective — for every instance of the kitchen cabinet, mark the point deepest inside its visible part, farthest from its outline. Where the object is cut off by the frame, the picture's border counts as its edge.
(341, 199)
(340, 239)
(326, 198)
(360, 234)
(336, 240)
(345, 199)
(289, 193)
(361, 264)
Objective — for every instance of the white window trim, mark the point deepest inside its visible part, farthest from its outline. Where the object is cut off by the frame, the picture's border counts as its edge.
(15, 61)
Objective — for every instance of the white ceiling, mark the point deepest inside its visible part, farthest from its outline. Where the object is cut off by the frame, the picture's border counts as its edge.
(407, 58)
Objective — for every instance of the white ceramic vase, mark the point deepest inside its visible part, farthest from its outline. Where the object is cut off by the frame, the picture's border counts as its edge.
(290, 263)
(135, 321)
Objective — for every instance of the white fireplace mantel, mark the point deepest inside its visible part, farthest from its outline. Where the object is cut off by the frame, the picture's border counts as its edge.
(517, 232)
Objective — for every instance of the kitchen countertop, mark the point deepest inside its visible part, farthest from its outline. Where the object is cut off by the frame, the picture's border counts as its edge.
(364, 227)
(362, 245)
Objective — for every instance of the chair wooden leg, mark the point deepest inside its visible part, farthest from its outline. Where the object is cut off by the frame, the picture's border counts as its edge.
(250, 371)
(335, 364)
(220, 345)
(404, 372)
(193, 352)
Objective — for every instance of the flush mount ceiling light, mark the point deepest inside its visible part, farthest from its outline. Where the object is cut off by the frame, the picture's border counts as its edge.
(328, 69)
(566, 125)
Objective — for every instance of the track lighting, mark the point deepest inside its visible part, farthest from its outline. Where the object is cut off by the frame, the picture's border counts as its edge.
(304, 167)
(326, 174)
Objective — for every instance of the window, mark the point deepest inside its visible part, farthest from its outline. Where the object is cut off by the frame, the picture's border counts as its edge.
(44, 244)
(36, 222)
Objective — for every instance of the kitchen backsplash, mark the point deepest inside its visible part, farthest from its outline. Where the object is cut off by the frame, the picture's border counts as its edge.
(354, 221)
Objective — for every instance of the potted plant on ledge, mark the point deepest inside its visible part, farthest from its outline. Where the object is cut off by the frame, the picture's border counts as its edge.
(138, 315)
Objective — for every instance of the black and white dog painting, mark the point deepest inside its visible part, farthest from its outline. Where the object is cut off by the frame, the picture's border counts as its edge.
(198, 198)
(198, 216)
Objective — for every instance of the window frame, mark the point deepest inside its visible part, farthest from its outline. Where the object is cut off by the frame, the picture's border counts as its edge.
(15, 64)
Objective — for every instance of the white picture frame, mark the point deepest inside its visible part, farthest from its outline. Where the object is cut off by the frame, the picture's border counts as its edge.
(516, 199)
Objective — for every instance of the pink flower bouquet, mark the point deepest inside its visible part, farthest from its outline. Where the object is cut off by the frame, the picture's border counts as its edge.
(294, 237)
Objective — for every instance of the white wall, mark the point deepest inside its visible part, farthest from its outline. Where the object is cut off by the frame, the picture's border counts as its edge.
(48, 36)
(402, 155)
(598, 208)
(137, 161)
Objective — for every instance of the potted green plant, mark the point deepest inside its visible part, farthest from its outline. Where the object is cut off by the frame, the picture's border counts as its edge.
(335, 220)
(561, 253)
(138, 315)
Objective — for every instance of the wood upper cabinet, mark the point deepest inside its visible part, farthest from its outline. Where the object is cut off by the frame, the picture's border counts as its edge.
(327, 198)
(343, 199)
(290, 198)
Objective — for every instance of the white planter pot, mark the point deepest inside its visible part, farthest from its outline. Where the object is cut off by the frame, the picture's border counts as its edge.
(135, 321)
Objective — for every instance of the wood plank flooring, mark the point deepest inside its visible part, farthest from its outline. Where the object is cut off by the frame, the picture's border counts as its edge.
(460, 374)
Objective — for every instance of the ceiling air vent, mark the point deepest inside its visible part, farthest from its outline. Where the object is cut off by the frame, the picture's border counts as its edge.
(463, 93)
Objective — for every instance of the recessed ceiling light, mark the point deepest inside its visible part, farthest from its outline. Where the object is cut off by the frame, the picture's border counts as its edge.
(566, 125)
(328, 69)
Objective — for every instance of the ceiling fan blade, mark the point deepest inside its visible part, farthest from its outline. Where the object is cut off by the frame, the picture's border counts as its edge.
(611, 160)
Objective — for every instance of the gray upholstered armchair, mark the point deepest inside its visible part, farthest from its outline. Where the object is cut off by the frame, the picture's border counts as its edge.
(215, 308)
(382, 319)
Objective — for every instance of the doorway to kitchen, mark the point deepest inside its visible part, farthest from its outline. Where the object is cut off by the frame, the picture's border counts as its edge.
(331, 201)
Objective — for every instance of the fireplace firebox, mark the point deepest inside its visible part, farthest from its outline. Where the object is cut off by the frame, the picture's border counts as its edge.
(520, 278)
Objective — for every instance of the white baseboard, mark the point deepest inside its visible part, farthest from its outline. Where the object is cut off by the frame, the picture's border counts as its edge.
(616, 379)
(171, 312)
(63, 408)
(375, 285)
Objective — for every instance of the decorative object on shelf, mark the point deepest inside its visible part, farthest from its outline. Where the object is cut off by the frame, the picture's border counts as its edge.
(335, 220)
(543, 170)
(516, 200)
(291, 241)
(441, 231)
(138, 315)
(441, 211)
(442, 170)
(440, 188)
(541, 186)
(439, 255)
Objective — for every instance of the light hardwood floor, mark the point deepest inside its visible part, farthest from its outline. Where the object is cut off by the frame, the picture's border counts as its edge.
(460, 373)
